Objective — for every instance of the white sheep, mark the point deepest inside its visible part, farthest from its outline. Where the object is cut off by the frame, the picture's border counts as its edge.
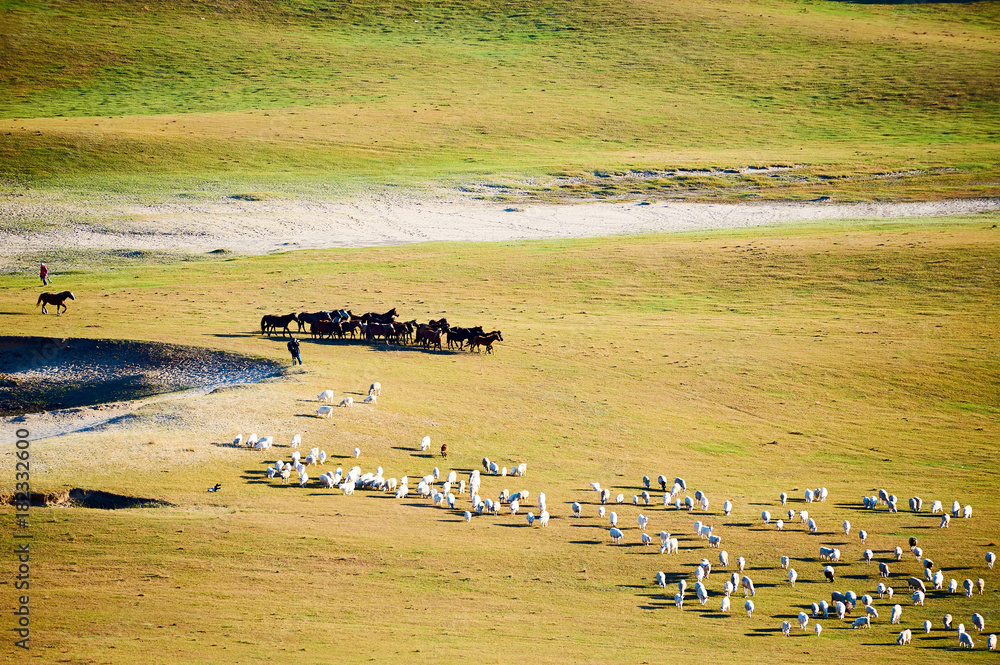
(531, 518)
(967, 585)
(357, 453)
(809, 496)
(375, 390)
(785, 561)
(303, 479)
(643, 520)
(991, 559)
(829, 573)
(325, 412)
(991, 643)
(468, 516)
(783, 497)
(904, 638)
(863, 535)
(841, 609)
(766, 516)
(953, 585)
(728, 587)
(270, 472)
(812, 525)
(714, 541)
(867, 556)
(576, 509)
(613, 517)
(600, 512)
(980, 585)
(286, 473)
(702, 593)
(679, 600)
(605, 495)
(645, 538)
(978, 622)
(786, 628)
(791, 515)
(779, 524)
(325, 396)
(620, 498)
(723, 558)
(296, 441)
(347, 401)
(819, 629)
(514, 506)
(238, 439)
(347, 487)
(938, 579)
(965, 640)
(748, 606)
(425, 444)
(747, 585)
(616, 535)
(918, 598)
(956, 508)
(724, 606)
(967, 512)
(883, 569)
(936, 507)
(727, 507)
(803, 516)
(824, 607)
(371, 399)
(672, 546)
(847, 527)
(792, 576)
(946, 620)
(741, 564)
(803, 620)
(862, 622)
(871, 611)
(522, 469)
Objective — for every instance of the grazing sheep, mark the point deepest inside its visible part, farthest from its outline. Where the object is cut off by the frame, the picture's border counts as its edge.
(724, 558)
(325, 396)
(965, 640)
(936, 507)
(779, 524)
(679, 600)
(867, 556)
(863, 535)
(991, 559)
(947, 621)
(270, 472)
(531, 518)
(747, 585)
(372, 399)
(792, 576)
(967, 585)
(784, 562)
(803, 620)
(672, 546)
(841, 609)
(829, 573)
(727, 507)
(682, 586)
(783, 497)
(357, 452)
(375, 390)
(613, 518)
(916, 584)
(728, 587)
(812, 526)
(883, 569)
(918, 598)
(325, 412)
(238, 439)
(286, 473)
(724, 606)
(786, 628)
(871, 611)
(680, 481)
(645, 538)
(514, 506)
(425, 443)
(662, 480)
(991, 643)
(847, 528)
(824, 607)
(978, 622)
(645, 482)
(664, 537)
(303, 479)
(620, 498)
(956, 508)
(880, 589)
(748, 606)
(825, 553)
(576, 509)
(347, 401)
(916, 503)
(645, 497)
(898, 551)
(766, 516)
(803, 516)
(809, 496)
(468, 516)
(699, 574)
(616, 535)
(953, 585)
(904, 638)
(714, 541)
(967, 512)
(741, 564)
(643, 520)
(605, 495)
(927, 626)
(600, 512)
(980, 585)
(862, 622)
(661, 579)
(702, 593)
(819, 629)
(689, 503)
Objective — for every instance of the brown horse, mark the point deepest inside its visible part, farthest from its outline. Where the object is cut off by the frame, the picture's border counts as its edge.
(57, 299)
(485, 340)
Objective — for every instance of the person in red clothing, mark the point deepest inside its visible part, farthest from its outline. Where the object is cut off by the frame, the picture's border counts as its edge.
(44, 274)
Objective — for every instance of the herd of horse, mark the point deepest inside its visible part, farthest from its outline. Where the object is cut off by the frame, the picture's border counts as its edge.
(376, 327)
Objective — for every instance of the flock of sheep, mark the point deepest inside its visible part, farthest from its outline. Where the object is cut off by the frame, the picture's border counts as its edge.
(841, 604)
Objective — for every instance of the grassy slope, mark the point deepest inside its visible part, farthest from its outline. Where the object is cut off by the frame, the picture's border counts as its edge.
(126, 95)
(683, 354)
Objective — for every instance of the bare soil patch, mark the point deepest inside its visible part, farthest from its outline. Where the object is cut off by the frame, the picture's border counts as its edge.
(84, 498)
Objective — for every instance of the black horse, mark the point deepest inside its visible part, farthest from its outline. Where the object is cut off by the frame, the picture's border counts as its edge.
(57, 299)
(269, 324)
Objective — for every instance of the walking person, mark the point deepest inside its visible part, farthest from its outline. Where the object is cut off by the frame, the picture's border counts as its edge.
(293, 348)
(43, 272)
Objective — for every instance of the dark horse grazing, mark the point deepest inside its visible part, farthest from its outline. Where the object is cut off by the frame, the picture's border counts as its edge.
(379, 318)
(57, 299)
(269, 323)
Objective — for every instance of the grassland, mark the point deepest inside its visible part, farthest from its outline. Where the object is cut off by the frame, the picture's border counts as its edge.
(854, 355)
(320, 97)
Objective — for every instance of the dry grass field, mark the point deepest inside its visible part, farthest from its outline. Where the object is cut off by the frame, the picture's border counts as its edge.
(854, 356)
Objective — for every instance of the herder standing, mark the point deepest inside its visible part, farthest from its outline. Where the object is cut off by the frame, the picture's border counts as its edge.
(293, 348)
(43, 272)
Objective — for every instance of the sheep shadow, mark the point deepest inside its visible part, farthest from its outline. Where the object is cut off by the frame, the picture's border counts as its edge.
(585, 542)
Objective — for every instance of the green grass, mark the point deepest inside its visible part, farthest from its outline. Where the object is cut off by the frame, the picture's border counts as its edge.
(875, 101)
(862, 382)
